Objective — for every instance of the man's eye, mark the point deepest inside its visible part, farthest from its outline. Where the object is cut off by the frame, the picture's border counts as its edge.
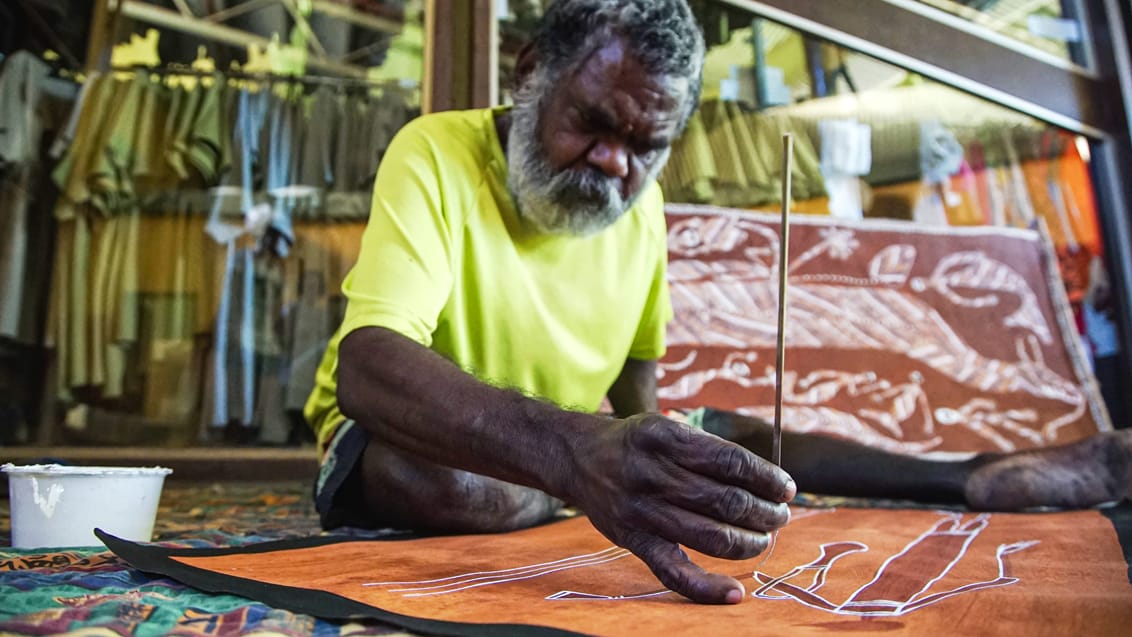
(649, 154)
(586, 121)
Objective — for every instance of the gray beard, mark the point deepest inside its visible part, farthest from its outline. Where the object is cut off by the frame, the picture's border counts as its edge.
(578, 202)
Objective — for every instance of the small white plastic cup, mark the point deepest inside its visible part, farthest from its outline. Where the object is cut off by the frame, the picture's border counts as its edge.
(54, 505)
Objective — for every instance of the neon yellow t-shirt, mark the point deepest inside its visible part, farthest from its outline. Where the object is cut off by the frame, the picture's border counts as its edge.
(446, 261)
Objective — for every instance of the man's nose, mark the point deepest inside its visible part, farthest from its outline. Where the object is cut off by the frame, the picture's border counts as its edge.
(611, 157)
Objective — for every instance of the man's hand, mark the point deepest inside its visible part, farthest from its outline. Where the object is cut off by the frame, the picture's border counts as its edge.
(650, 484)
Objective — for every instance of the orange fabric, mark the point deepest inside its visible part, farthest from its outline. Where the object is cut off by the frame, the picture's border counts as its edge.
(908, 572)
(1071, 174)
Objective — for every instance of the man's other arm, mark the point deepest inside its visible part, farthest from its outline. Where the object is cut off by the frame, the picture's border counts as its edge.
(634, 391)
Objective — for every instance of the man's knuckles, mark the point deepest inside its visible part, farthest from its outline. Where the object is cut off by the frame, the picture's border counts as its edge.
(730, 543)
(733, 463)
(736, 506)
(742, 509)
(653, 433)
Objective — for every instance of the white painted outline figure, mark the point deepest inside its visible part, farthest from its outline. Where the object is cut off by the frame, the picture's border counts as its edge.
(888, 594)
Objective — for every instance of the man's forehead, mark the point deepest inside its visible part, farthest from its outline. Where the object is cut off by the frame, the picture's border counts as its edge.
(612, 74)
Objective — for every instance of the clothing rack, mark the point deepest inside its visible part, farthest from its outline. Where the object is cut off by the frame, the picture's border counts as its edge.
(222, 33)
(277, 78)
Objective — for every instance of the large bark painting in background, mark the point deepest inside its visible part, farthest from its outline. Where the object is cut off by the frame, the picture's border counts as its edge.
(908, 338)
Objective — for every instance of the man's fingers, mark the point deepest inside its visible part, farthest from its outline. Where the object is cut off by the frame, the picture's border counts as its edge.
(730, 504)
(730, 463)
(673, 568)
(706, 535)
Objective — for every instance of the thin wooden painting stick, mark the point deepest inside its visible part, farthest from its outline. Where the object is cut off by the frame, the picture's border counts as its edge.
(783, 263)
(780, 342)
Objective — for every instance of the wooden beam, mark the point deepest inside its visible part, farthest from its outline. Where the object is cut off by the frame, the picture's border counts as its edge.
(485, 54)
(201, 28)
(238, 10)
(435, 84)
(449, 64)
(1112, 170)
(101, 38)
(349, 14)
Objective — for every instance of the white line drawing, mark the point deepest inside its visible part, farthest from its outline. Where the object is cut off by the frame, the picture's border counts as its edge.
(575, 595)
(884, 419)
(579, 596)
(981, 416)
(465, 581)
(976, 271)
(893, 265)
(479, 579)
(904, 582)
(839, 243)
(730, 303)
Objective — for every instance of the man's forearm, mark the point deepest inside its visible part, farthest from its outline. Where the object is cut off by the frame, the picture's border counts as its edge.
(418, 401)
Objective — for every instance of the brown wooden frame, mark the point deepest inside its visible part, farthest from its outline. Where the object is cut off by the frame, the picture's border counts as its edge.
(462, 63)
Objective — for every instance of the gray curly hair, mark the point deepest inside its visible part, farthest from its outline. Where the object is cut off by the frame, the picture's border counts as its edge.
(662, 34)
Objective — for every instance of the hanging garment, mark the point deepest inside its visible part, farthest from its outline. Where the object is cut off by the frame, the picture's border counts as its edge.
(31, 104)
(316, 162)
(806, 177)
(846, 156)
(15, 202)
(732, 184)
(325, 253)
(235, 196)
(347, 201)
(167, 296)
(691, 170)
(284, 147)
(248, 370)
(270, 418)
(112, 252)
(233, 361)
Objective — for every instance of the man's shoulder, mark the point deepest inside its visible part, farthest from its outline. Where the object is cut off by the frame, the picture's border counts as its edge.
(451, 130)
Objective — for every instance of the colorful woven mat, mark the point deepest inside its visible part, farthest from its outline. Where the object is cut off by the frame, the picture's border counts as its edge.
(89, 589)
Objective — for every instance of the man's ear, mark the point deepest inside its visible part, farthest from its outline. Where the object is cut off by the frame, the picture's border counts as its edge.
(525, 64)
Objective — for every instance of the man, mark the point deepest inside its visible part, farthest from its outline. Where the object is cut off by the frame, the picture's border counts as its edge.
(513, 273)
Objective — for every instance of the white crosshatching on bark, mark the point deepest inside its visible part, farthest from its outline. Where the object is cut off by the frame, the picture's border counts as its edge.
(723, 286)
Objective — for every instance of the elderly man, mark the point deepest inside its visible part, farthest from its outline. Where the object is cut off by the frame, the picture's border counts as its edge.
(513, 274)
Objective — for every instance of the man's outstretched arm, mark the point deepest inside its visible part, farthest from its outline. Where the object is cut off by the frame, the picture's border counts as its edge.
(648, 483)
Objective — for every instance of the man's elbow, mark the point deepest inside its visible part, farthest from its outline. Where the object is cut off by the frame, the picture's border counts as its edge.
(372, 366)
(351, 390)
(349, 402)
